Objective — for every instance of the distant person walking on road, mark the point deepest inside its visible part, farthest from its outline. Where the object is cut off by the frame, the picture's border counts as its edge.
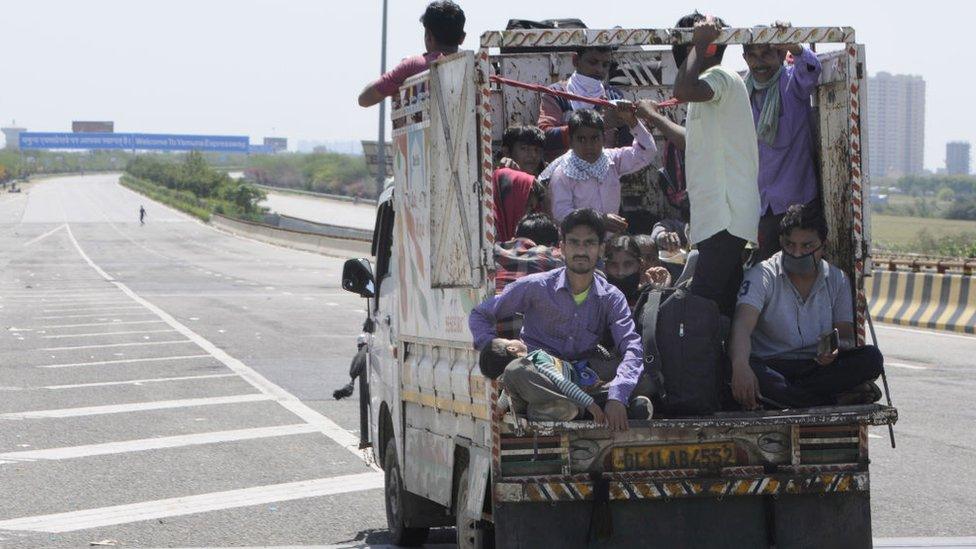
(142, 215)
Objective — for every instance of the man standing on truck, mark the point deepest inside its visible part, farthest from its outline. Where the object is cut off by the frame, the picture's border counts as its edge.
(722, 160)
(780, 97)
(789, 307)
(567, 310)
(588, 80)
(443, 32)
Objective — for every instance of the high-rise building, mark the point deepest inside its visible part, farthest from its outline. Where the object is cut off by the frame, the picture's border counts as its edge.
(11, 135)
(896, 124)
(957, 158)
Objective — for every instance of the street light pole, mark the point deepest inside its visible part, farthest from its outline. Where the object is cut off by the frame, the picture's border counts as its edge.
(381, 142)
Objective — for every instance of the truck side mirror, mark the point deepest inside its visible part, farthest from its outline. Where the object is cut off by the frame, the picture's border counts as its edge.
(357, 277)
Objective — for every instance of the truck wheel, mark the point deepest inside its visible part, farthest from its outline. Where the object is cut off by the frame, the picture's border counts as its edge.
(469, 534)
(395, 500)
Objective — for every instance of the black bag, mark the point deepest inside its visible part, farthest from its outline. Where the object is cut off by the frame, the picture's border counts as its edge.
(683, 336)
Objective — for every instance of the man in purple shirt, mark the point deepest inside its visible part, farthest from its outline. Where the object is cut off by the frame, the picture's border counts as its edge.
(780, 97)
(567, 310)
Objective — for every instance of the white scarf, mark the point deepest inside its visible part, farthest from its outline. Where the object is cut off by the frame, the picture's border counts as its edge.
(576, 168)
(587, 87)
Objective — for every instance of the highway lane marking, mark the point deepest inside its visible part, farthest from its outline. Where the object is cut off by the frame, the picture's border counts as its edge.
(906, 366)
(67, 302)
(45, 235)
(107, 345)
(75, 309)
(110, 314)
(99, 324)
(134, 381)
(123, 361)
(935, 333)
(200, 503)
(59, 336)
(945, 542)
(60, 413)
(88, 291)
(158, 443)
(287, 400)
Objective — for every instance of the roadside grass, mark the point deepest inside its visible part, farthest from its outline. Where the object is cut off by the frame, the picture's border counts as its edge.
(917, 234)
(184, 201)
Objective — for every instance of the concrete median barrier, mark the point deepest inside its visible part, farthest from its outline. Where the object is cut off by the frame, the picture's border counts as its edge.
(924, 300)
(311, 242)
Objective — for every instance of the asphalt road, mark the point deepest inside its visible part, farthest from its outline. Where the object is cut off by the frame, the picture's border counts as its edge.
(170, 385)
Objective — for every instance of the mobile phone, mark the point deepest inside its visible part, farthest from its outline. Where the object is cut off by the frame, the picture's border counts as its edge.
(828, 343)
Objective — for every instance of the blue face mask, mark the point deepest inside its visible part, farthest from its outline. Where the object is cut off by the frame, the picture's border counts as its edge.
(800, 264)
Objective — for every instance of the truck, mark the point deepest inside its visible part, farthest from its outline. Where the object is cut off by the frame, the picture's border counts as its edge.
(784, 478)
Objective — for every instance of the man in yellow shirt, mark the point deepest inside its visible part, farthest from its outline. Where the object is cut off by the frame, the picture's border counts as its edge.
(722, 161)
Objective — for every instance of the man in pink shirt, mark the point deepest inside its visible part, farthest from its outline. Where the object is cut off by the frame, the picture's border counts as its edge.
(588, 176)
(443, 32)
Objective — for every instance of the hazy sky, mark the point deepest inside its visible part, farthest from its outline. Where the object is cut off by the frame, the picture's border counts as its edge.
(294, 67)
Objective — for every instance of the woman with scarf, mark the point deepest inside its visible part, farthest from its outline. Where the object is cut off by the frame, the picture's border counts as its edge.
(625, 269)
(515, 188)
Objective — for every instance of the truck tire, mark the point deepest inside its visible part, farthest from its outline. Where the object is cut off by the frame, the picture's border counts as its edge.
(396, 497)
(469, 534)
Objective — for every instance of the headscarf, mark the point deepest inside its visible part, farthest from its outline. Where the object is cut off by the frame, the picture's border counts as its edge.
(511, 190)
(768, 124)
(587, 87)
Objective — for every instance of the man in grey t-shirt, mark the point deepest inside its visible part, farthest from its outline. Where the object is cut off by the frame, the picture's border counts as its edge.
(785, 305)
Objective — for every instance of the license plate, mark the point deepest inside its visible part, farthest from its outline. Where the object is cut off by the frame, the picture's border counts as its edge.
(677, 456)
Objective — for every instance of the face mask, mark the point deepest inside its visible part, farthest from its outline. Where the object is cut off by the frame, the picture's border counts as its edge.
(801, 265)
(627, 285)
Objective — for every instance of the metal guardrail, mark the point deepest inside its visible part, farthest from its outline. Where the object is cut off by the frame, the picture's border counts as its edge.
(921, 263)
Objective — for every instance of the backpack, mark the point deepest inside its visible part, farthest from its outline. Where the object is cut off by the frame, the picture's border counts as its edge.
(683, 336)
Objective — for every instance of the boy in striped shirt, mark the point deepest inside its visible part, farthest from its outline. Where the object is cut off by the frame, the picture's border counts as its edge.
(538, 385)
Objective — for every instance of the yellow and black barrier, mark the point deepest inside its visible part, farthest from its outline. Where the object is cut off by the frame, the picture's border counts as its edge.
(924, 300)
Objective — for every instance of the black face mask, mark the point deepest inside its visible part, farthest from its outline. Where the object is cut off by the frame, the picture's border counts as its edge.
(628, 285)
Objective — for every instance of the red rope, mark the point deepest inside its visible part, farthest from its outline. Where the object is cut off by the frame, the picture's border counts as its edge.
(566, 95)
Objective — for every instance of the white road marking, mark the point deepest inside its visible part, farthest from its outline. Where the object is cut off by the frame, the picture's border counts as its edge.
(201, 503)
(101, 324)
(135, 381)
(290, 402)
(123, 361)
(134, 407)
(872, 435)
(45, 235)
(75, 309)
(906, 366)
(78, 303)
(135, 344)
(109, 314)
(108, 333)
(970, 338)
(141, 445)
(944, 542)
(77, 293)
